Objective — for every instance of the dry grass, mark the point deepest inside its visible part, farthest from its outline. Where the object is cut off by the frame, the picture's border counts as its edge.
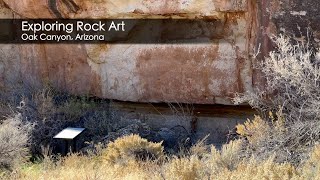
(311, 169)
(132, 148)
(281, 145)
(264, 170)
(289, 104)
(51, 111)
(288, 142)
(14, 139)
(292, 74)
(223, 164)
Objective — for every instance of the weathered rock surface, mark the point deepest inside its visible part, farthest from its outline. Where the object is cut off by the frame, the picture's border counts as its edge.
(196, 73)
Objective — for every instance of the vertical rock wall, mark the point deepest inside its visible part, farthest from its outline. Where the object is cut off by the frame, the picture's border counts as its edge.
(208, 73)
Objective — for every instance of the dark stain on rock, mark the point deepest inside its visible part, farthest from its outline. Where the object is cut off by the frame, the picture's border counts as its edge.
(299, 18)
(54, 7)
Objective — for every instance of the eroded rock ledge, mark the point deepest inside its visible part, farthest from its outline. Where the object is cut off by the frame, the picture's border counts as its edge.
(195, 73)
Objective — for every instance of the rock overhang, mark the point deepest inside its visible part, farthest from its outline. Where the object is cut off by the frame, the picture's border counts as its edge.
(204, 73)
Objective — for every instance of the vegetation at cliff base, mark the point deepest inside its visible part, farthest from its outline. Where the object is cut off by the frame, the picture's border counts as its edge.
(281, 142)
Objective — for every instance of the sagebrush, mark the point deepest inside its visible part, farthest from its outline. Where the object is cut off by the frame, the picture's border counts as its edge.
(14, 141)
(292, 74)
(214, 164)
(131, 148)
(288, 126)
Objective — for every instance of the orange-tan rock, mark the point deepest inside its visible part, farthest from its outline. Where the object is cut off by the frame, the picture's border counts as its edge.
(207, 73)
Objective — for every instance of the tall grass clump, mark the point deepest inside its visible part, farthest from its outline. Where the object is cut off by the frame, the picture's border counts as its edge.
(132, 148)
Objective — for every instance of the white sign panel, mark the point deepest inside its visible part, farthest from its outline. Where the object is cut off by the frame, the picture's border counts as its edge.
(69, 133)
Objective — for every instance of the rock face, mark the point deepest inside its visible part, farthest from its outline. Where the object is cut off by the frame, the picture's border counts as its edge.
(195, 73)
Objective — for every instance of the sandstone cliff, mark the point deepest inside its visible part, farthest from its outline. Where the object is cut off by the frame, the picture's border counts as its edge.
(196, 73)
